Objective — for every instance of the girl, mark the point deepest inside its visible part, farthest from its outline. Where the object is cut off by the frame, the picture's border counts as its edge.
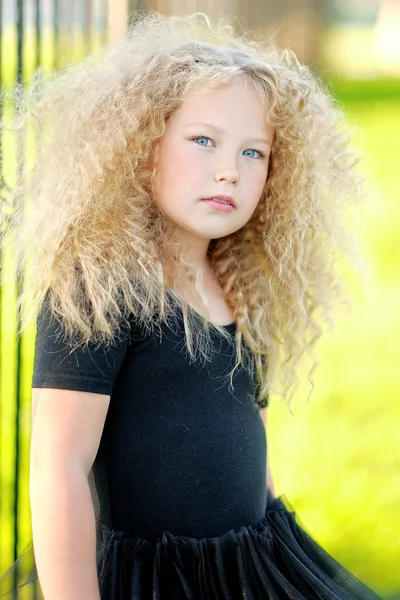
(188, 208)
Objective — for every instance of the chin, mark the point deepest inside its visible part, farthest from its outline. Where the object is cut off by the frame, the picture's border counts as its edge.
(214, 235)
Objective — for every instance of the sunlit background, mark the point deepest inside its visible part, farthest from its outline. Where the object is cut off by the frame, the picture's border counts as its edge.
(336, 458)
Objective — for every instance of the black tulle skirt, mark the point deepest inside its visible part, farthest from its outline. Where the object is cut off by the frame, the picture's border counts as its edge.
(275, 560)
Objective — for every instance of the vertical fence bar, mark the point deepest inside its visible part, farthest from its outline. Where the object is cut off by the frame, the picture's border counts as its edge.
(17, 441)
(56, 34)
(38, 39)
(103, 21)
(88, 24)
(38, 61)
(38, 34)
(2, 185)
(69, 33)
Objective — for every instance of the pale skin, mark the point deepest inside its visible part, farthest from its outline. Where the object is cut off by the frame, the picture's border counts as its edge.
(221, 141)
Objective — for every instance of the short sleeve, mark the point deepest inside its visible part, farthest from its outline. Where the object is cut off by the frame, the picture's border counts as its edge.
(92, 368)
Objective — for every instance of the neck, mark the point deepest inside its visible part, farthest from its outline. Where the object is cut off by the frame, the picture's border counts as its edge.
(181, 246)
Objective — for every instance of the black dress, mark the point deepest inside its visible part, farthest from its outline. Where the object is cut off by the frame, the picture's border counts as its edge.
(179, 481)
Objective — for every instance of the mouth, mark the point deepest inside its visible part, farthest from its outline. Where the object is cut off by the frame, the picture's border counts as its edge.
(222, 199)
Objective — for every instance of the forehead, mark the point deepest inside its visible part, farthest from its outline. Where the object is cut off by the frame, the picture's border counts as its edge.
(236, 104)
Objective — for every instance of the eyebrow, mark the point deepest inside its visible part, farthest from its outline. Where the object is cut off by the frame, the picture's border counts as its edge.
(216, 128)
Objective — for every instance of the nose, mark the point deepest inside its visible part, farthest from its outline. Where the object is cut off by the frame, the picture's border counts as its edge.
(228, 173)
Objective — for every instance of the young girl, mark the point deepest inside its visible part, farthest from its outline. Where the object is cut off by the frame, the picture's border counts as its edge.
(188, 207)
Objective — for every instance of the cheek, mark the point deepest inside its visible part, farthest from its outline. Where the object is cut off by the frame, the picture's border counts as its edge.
(177, 167)
(258, 184)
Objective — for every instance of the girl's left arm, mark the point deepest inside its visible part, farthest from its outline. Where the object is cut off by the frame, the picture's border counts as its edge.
(270, 482)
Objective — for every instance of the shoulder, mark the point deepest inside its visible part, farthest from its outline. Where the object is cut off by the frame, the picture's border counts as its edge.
(61, 363)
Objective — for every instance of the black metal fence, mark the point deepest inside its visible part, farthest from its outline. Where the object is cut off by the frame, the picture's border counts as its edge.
(33, 33)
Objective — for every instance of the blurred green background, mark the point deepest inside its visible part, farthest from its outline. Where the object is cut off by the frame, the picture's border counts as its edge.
(336, 459)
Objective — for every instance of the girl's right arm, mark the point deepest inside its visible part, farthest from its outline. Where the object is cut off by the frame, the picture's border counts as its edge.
(66, 430)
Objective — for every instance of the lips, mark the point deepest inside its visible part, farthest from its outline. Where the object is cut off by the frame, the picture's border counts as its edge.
(222, 197)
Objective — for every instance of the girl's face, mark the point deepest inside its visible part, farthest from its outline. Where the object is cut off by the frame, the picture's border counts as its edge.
(216, 143)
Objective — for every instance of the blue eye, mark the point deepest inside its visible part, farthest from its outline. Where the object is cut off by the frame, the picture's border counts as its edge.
(201, 138)
(260, 155)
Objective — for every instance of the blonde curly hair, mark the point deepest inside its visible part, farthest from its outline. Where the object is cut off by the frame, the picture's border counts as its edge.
(93, 235)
